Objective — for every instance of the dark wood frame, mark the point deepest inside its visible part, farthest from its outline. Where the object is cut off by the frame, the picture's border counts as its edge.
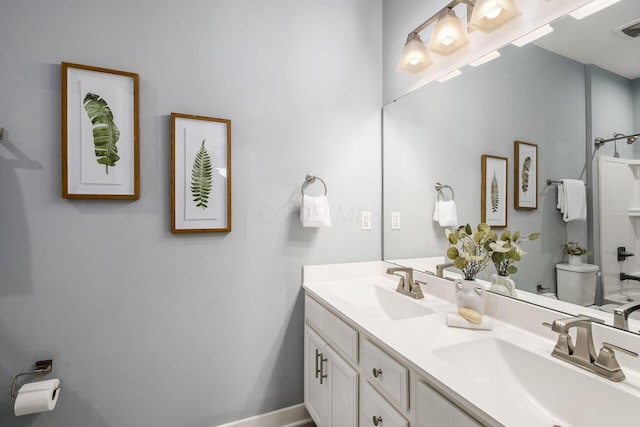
(516, 176)
(65, 132)
(174, 229)
(483, 192)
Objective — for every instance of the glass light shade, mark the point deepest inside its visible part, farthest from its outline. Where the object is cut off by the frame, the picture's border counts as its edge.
(488, 15)
(415, 57)
(448, 35)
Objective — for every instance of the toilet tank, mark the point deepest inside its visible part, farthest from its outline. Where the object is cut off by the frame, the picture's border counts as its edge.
(577, 283)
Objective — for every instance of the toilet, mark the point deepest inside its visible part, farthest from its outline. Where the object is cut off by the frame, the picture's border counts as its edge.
(577, 283)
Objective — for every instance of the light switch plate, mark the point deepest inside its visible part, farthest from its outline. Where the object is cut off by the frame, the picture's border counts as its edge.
(366, 220)
(395, 220)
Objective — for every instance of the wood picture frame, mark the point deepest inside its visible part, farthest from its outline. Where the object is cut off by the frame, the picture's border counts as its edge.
(200, 174)
(100, 133)
(525, 175)
(494, 196)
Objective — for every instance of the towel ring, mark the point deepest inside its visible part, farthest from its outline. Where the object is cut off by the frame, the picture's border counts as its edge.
(310, 179)
(440, 187)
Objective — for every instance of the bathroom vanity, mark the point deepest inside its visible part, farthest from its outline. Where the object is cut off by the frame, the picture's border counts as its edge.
(375, 357)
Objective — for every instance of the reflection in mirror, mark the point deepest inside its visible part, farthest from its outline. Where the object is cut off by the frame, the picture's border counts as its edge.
(559, 95)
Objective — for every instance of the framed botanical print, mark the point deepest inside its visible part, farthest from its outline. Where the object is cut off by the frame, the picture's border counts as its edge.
(525, 175)
(493, 193)
(200, 174)
(100, 133)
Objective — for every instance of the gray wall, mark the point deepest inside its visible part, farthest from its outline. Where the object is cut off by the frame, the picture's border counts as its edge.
(439, 133)
(147, 328)
(635, 85)
(612, 101)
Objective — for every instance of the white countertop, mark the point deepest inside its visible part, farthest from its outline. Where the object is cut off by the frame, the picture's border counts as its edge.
(416, 340)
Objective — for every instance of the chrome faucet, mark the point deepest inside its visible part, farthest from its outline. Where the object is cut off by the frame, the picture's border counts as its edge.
(583, 353)
(621, 314)
(407, 285)
(441, 267)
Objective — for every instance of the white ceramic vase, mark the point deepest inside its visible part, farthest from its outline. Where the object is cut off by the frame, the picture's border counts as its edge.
(470, 294)
(503, 285)
(575, 259)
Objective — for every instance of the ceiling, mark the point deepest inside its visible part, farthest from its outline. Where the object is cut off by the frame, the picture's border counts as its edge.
(592, 40)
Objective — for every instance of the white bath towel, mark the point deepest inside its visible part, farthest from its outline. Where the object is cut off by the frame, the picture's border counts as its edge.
(446, 213)
(315, 211)
(572, 199)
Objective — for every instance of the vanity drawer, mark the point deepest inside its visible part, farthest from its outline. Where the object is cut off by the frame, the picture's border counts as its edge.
(387, 373)
(434, 410)
(340, 335)
(378, 412)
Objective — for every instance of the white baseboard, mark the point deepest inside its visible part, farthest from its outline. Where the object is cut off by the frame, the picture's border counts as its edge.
(293, 416)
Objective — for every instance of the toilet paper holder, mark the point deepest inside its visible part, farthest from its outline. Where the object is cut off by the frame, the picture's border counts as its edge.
(43, 367)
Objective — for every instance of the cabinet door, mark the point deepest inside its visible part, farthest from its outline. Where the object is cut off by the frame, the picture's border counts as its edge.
(434, 410)
(314, 392)
(341, 392)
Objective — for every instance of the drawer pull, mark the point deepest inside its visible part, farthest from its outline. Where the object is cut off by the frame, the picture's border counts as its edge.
(377, 420)
(376, 373)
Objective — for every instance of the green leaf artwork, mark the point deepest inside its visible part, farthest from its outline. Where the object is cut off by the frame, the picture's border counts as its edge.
(105, 131)
(201, 177)
(526, 166)
(495, 195)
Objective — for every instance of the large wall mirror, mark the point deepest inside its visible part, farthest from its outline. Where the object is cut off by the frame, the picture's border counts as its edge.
(562, 92)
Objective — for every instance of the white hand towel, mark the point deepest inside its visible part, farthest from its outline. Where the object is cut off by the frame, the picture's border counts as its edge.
(315, 211)
(457, 321)
(447, 213)
(560, 204)
(574, 206)
(435, 210)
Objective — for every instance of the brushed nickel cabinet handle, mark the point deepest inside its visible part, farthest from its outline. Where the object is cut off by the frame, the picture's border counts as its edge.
(318, 354)
(322, 374)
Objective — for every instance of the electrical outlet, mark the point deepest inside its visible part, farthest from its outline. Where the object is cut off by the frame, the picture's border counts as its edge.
(366, 220)
(395, 220)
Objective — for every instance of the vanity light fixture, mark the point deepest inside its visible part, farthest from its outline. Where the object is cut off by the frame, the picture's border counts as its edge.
(449, 76)
(415, 57)
(486, 58)
(449, 34)
(533, 35)
(591, 8)
(490, 14)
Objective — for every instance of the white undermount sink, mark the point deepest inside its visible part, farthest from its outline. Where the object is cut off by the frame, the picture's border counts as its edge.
(570, 397)
(381, 303)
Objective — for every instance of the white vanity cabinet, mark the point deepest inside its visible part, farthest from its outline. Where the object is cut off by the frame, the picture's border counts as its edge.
(352, 381)
(434, 410)
(330, 383)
